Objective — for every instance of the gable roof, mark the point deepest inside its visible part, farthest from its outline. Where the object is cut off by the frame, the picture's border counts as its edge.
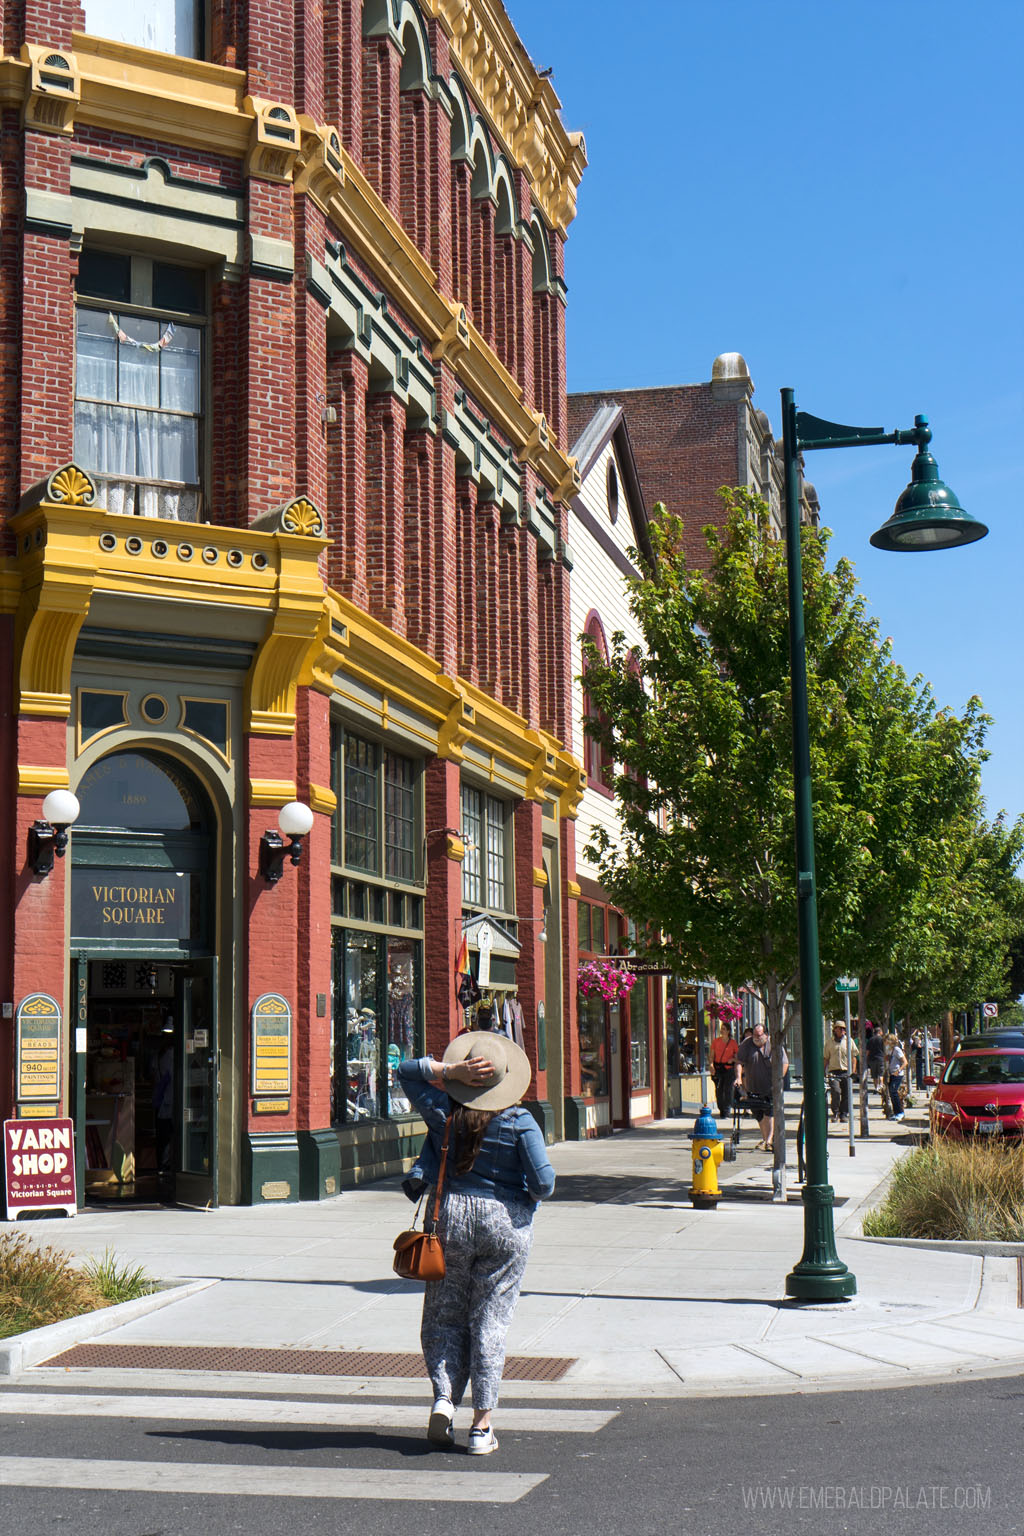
(608, 425)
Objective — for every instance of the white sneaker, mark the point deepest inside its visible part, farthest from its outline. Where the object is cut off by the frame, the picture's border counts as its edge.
(440, 1429)
(482, 1442)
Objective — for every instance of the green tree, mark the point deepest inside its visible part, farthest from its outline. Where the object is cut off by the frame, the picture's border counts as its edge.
(698, 722)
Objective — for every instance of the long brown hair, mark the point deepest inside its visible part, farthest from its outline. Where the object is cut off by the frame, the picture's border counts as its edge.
(470, 1127)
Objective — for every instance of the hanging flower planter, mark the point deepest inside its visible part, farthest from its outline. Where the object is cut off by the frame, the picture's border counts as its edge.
(724, 1010)
(604, 978)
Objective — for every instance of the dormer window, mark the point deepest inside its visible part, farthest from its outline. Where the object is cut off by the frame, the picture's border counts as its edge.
(138, 383)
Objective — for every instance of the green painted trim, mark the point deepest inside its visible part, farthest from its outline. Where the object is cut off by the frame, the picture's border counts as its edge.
(319, 1165)
(379, 1149)
(575, 1119)
(544, 1115)
(164, 650)
(270, 1159)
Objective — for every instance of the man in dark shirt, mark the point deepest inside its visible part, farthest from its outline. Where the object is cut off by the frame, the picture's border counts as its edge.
(754, 1076)
(874, 1057)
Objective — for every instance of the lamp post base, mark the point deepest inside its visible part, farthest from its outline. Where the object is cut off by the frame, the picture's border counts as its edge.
(821, 1274)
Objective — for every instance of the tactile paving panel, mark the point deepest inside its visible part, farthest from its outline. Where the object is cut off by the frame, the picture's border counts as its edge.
(282, 1362)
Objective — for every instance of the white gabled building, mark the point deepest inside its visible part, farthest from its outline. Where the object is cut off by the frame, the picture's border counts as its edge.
(622, 1044)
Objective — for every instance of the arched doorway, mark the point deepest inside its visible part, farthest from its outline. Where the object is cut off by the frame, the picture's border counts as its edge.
(145, 1063)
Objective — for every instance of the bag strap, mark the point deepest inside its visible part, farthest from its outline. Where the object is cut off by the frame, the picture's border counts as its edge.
(439, 1189)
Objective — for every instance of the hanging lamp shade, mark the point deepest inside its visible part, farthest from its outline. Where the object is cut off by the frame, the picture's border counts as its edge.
(927, 515)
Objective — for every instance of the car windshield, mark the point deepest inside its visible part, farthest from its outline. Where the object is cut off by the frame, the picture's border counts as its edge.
(993, 1068)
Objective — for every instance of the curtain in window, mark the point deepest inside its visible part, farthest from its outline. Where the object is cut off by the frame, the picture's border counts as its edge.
(136, 414)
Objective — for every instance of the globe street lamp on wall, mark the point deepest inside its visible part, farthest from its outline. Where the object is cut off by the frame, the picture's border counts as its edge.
(927, 516)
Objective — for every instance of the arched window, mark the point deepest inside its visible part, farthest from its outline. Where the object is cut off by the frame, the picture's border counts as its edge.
(414, 168)
(543, 321)
(505, 275)
(597, 760)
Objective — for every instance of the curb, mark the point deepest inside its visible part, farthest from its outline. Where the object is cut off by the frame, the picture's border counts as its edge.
(27, 1349)
(951, 1245)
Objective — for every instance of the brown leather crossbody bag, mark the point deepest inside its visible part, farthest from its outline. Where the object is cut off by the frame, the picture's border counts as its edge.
(419, 1255)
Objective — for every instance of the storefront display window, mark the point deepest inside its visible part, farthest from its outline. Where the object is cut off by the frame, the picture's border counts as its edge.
(378, 927)
(593, 1048)
(639, 1036)
(377, 991)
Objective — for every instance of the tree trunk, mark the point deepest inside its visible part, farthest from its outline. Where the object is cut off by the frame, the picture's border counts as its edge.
(776, 1012)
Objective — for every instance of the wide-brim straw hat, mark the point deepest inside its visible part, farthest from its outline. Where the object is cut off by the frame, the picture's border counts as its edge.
(511, 1076)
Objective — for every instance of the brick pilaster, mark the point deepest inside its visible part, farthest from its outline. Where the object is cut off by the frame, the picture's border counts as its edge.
(466, 607)
(385, 546)
(511, 628)
(272, 956)
(414, 166)
(481, 258)
(461, 220)
(40, 958)
(47, 322)
(421, 573)
(343, 72)
(557, 420)
(270, 352)
(309, 57)
(381, 120)
(570, 961)
(313, 1026)
(270, 49)
(228, 334)
(530, 908)
(310, 360)
(443, 916)
(347, 381)
(445, 535)
(488, 586)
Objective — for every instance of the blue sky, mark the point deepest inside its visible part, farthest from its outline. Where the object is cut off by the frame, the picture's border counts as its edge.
(836, 192)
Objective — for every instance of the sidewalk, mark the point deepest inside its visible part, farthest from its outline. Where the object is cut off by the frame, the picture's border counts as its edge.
(647, 1295)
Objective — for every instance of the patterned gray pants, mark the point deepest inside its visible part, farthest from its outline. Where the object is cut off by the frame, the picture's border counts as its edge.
(467, 1314)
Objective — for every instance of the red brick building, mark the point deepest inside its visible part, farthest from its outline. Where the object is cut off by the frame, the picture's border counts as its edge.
(689, 440)
(284, 441)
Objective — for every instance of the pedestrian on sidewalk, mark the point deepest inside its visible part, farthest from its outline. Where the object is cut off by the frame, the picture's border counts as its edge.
(497, 1173)
(723, 1064)
(754, 1076)
(874, 1051)
(837, 1056)
(895, 1073)
(917, 1052)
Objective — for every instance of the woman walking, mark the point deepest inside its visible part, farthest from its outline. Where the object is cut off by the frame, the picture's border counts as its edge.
(895, 1072)
(723, 1061)
(497, 1172)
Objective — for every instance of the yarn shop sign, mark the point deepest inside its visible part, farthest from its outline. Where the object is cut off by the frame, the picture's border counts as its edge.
(39, 1166)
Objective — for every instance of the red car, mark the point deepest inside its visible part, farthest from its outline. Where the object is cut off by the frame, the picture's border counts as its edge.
(981, 1094)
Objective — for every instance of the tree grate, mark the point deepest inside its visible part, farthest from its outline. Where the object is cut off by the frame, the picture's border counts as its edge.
(282, 1362)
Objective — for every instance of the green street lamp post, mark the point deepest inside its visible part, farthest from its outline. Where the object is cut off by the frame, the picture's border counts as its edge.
(927, 516)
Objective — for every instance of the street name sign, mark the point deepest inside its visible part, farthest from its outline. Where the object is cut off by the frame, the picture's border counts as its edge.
(847, 983)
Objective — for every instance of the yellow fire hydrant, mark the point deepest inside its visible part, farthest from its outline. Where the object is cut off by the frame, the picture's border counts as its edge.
(707, 1154)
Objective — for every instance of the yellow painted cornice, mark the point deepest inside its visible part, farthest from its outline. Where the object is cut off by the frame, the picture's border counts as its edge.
(35, 781)
(68, 550)
(521, 108)
(322, 799)
(271, 792)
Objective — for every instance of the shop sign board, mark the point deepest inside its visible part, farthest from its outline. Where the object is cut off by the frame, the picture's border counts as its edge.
(39, 1166)
(271, 1046)
(131, 904)
(38, 1032)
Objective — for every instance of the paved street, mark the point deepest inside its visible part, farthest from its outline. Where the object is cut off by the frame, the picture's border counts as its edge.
(911, 1460)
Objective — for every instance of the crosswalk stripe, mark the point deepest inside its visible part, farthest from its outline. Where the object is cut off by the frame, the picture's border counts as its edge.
(258, 1410)
(149, 1477)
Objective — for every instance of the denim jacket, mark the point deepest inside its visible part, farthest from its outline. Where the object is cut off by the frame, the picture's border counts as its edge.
(512, 1161)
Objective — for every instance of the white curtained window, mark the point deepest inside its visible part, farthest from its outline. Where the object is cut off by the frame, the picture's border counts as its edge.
(137, 412)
